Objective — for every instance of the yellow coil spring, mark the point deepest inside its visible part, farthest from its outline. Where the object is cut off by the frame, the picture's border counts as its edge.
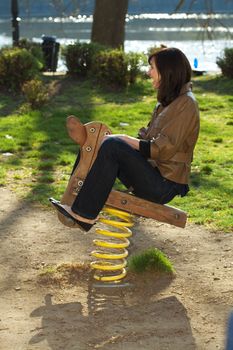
(109, 258)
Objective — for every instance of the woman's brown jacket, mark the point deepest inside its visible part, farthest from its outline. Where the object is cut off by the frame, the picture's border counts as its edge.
(173, 132)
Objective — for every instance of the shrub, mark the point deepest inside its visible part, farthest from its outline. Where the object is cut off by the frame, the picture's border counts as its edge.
(35, 92)
(135, 63)
(226, 63)
(16, 67)
(79, 57)
(34, 48)
(111, 68)
(154, 49)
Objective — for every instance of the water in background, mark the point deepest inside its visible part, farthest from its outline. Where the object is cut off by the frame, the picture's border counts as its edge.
(142, 32)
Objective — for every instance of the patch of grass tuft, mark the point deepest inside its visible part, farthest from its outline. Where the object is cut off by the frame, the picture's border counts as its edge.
(46, 165)
(206, 169)
(65, 274)
(48, 271)
(2, 177)
(218, 140)
(151, 259)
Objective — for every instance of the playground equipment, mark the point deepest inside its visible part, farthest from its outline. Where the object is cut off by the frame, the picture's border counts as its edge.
(109, 259)
(120, 205)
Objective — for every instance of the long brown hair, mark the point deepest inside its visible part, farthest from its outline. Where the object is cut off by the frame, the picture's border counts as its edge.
(174, 69)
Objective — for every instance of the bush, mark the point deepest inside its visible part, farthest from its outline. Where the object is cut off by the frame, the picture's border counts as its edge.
(34, 48)
(35, 92)
(154, 49)
(226, 63)
(135, 63)
(116, 68)
(79, 57)
(111, 68)
(16, 67)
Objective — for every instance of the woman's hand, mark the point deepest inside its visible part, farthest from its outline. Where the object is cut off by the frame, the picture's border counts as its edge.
(132, 141)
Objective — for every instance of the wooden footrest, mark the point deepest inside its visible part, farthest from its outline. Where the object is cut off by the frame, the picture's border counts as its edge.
(142, 207)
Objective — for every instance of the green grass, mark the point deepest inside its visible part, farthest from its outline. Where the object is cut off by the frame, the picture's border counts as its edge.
(151, 259)
(42, 153)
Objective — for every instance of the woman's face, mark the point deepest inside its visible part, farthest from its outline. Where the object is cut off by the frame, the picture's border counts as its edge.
(154, 74)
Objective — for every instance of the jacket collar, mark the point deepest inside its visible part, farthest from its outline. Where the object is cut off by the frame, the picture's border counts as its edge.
(186, 88)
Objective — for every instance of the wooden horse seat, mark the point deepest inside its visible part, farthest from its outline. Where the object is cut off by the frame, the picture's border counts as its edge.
(89, 137)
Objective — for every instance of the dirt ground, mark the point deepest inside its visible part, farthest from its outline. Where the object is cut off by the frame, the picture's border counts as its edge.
(187, 312)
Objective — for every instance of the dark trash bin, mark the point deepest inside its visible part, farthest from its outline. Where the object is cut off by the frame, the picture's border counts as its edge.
(50, 50)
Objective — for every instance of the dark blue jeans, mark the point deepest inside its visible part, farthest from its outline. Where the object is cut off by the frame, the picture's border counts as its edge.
(116, 159)
(229, 345)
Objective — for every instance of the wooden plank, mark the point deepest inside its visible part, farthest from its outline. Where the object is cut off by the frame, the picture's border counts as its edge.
(142, 207)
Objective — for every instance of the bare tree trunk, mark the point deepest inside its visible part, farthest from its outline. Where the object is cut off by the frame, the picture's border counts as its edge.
(15, 22)
(109, 22)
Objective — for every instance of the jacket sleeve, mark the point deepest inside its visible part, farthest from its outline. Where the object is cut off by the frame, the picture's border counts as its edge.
(144, 148)
(176, 126)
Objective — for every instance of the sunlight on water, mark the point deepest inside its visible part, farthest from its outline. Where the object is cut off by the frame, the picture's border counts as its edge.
(143, 16)
(180, 16)
(142, 32)
(205, 52)
(190, 29)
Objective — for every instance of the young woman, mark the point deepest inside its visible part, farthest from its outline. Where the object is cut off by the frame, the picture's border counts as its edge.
(156, 166)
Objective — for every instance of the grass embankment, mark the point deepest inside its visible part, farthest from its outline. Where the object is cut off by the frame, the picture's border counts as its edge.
(42, 153)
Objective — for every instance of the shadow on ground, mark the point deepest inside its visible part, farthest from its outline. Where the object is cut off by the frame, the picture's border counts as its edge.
(112, 322)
